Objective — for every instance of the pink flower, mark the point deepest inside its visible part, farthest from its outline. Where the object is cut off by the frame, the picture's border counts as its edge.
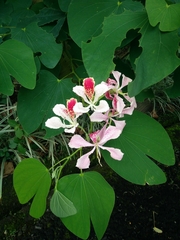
(115, 90)
(67, 114)
(99, 138)
(91, 95)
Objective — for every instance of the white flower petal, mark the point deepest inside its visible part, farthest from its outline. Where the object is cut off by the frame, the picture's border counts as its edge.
(102, 107)
(80, 109)
(54, 123)
(79, 90)
(99, 90)
(60, 110)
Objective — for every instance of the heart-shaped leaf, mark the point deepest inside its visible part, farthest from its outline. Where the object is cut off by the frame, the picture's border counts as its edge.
(167, 15)
(94, 200)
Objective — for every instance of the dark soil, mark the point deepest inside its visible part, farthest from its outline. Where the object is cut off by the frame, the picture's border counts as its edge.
(132, 217)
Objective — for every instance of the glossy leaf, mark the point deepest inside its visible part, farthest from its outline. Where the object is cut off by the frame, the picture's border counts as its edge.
(48, 15)
(40, 42)
(159, 54)
(101, 49)
(48, 92)
(168, 16)
(93, 198)
(61, 206)
(13, 63)
(142, 137)
(64, 4)
(92, 13)
(31, 179)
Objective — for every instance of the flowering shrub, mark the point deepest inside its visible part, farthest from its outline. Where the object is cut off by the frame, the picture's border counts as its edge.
(96, 119)
(47, 50)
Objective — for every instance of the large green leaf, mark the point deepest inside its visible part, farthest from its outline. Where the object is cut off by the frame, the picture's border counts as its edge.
(100, 51)
(61, 206)
(143, 137)
(86, 17)
(94, 200)
(159, 55)
(168, 16)
(13, 63)
(35, 107)
(40, 42)
(32, 179)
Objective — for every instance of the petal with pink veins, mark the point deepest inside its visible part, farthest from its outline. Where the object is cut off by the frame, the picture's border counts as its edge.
(83, 162)
(114, 152)
(77, 141)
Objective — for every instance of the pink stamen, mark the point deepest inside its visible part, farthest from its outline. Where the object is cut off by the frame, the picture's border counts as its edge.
(88, 84)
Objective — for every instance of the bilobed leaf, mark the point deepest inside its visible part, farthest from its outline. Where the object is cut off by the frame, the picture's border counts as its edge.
(41, 100)
(32, 179)
(86, 17)
(142, 137)
(93, 198)
(13, 63)
(61, 206)
(40, 42)
(168, 16)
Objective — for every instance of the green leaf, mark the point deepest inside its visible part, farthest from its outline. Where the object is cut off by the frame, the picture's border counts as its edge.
(142, 137)
(48, 15)
(40, 42)
(92, 13)
(159, 55)
(101, 49)
(94, 200)
(61, 206)
(64, 4)
(167, 15)
(38, 103)
(32, 179)
(14, 63)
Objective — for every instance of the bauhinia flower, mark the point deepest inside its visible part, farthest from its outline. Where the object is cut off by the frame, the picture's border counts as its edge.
(68, 116)
(91, 95)
(98, 138)
(115, 90)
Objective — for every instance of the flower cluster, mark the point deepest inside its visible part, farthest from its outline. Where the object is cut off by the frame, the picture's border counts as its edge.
(99, 111)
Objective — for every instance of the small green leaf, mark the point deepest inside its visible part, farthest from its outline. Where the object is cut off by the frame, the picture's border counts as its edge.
(32, 179)
(61, 206)
(142, 137)
(94, 200)
(167, 15)
(13, 63)
(40, 42)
